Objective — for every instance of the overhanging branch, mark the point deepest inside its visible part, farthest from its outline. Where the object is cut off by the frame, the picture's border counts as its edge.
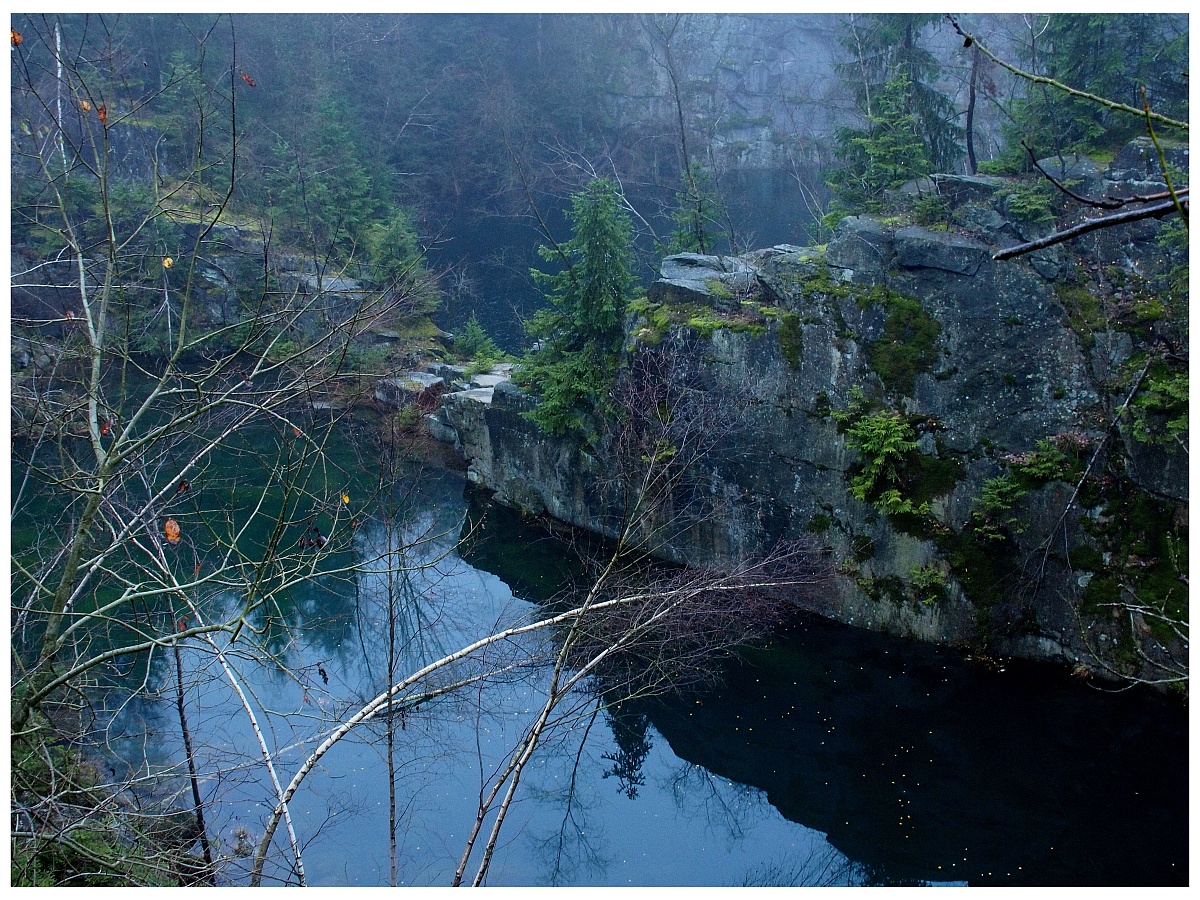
(1154, 211)
(969, 39)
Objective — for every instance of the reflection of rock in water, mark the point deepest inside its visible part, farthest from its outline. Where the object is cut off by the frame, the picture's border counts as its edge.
(533, 561)
(921, 766)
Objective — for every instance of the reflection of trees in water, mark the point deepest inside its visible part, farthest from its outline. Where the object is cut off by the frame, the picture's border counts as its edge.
(821, 865)
(408, 601)
(575, 849)
(633, 746)
(725, 805)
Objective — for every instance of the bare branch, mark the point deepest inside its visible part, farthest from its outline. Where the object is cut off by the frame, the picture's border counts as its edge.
(1153, 211)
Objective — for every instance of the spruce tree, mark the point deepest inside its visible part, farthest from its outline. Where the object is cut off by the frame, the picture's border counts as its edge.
(580, 334)
(696, 214)
(882, 156)
(909, 130)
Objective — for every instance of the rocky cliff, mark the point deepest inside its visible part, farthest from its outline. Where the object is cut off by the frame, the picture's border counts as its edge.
(986, 450)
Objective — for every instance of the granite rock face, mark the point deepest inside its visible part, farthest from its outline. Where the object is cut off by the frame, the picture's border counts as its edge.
(997, 370)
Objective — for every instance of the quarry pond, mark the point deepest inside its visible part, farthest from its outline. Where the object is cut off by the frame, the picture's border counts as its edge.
(655, 449)
(831, 756)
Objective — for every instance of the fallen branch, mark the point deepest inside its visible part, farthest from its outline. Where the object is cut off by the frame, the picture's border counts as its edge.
(1107, 202)
(1154, 211)
(754, 575)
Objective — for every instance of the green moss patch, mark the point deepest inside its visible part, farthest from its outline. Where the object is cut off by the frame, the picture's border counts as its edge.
(657, 318)
(908, 345)
(790, 339)
(1084, 312)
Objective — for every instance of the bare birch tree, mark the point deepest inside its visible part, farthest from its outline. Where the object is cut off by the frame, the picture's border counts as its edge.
(133, 526)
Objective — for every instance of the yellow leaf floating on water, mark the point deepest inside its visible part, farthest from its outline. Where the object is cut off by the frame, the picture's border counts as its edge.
(85, 106)
(345, 498)
(168, 262)
(171, 531)
(15, 37)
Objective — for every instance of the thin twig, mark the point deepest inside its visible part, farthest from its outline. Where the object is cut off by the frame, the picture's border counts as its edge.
(1116, 417)
(191, 764)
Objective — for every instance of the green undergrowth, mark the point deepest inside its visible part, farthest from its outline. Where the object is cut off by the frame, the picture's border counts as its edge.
(1117, 299)
(1032, 201)
(1159, 412)
(93, 842)
(891, 472)
(1142, 559)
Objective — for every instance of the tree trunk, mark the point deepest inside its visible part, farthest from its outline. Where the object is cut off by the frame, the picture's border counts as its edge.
(972, 165)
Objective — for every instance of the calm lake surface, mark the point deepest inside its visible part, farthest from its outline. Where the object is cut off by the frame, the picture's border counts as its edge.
(830, 757)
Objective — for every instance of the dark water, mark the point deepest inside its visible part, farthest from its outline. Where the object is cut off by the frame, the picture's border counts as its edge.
(921, 765)
(831, 757)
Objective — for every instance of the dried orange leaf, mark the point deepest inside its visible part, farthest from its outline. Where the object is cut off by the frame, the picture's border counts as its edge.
(171, 531)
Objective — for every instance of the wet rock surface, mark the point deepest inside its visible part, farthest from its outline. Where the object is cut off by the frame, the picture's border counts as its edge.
(1010, 369)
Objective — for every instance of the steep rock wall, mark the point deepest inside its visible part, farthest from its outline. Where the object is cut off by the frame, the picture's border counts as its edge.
(1000, 381)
